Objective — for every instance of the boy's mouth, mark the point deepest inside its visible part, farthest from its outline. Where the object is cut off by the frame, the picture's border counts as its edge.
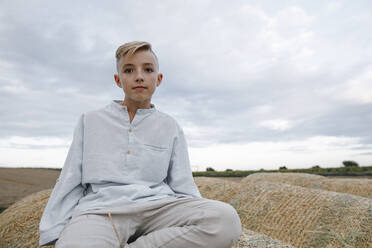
(139, 88)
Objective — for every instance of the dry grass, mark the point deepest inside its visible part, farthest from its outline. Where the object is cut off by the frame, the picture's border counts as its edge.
(19, 224)
(252, 239)
(354, 186)
(272, 213)
(305, 217)
(217, 189)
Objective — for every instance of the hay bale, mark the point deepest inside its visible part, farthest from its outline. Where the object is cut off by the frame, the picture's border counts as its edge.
(354, 186)
(305, 217)
(252, 239)
(300, 216)
(360, 187)
(19, 224)
(216, 188)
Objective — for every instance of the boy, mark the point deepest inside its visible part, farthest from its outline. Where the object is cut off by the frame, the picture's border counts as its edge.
(127, 179)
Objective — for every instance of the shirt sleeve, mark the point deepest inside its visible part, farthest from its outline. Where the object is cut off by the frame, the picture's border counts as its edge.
(66, 193)
(180, 177)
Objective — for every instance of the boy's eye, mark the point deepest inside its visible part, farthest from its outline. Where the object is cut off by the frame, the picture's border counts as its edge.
(149, 70)
(128, 70)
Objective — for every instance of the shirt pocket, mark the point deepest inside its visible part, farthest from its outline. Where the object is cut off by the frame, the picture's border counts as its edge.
(155, 147)
(154, 162)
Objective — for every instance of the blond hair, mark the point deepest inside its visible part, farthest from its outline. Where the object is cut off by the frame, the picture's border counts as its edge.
(131, 48)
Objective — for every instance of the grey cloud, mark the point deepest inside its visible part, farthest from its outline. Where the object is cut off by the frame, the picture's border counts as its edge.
(365, 153)
(363, 147)
(218, 69)
(292, 97)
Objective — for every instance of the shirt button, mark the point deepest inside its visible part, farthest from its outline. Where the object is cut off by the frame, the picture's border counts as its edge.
(128, 152)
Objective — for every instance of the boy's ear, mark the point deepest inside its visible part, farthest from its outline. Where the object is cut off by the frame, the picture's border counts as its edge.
(117, 80)
(160, 78)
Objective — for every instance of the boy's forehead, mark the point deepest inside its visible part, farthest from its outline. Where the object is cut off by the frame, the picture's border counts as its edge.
(139, 57)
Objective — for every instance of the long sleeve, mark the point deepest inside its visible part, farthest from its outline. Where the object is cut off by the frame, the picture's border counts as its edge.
(179, 173)
(67, 191)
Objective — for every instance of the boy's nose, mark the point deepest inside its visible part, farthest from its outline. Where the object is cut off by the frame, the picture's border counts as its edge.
(139, 77)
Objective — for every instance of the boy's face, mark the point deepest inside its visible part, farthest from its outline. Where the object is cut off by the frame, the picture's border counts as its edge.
(138, 76)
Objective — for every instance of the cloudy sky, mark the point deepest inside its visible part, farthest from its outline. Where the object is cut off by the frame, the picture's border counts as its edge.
(254, 84)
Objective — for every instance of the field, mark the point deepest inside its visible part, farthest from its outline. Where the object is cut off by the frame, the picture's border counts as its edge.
(16, 183)
(353, 171)
(276, 209)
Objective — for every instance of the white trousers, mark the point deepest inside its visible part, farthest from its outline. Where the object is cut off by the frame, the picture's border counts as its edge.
(170, 222)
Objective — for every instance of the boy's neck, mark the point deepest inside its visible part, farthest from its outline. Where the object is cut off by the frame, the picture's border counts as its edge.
(132, 107)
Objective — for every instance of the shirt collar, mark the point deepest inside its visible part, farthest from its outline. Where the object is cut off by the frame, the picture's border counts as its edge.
(116, 104)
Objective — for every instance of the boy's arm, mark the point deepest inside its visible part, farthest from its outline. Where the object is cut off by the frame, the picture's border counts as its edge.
(66, 193)
(179, 174)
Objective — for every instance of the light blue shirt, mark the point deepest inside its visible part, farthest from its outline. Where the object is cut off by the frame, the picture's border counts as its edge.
(113, 162)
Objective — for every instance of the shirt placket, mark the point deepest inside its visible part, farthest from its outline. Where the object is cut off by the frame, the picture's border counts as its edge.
(130, 140)
(128, 151)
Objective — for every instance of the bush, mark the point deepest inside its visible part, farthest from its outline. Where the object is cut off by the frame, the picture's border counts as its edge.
(210, 169)
(350, 163)
(316, 167)
(282, 168)
(229, 170)
(341, 171)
